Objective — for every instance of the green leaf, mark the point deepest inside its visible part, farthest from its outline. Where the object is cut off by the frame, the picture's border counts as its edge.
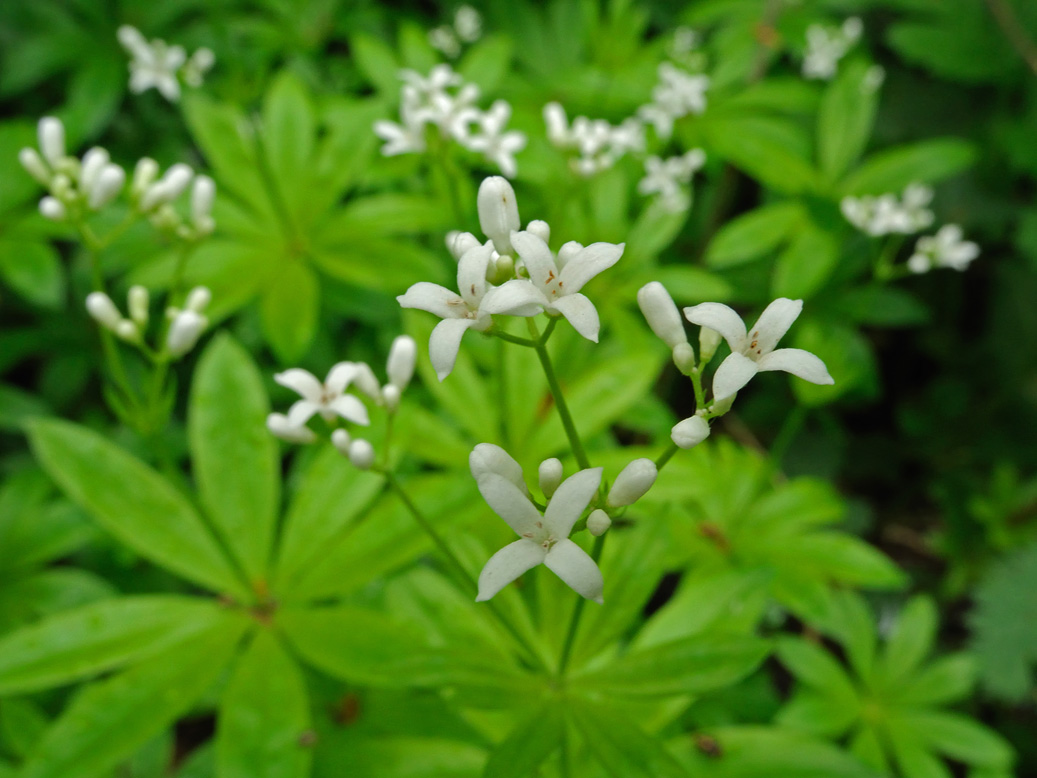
(688, 666)
(845, 119)
(948, 679)
(619, 745)
(772, 150)
(486, 63)
(377, 61)
(818, 714)
(289, 307)
(914, 759)
(806, 265)
(234, 459)
(263, 716)
(848, 559)
(528, 745)
(927, 162)
(18, 407)
(111, 719)
(34, 271)
(816, 668)
(39, 594)
(98, 638)
(21, 724)
(881, 306)
(132, 502)
(957, 737)
(753, 235)
(289, 129)
(911, 640)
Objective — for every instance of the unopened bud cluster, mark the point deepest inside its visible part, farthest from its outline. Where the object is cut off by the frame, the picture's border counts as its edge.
(153, 195)
(185, 325)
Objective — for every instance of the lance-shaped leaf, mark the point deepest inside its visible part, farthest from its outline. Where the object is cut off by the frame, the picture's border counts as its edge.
(528, 745)
(622, 748)
(263, 716)
(133, 502)
(109, 720)
(234, 457)
(100, 637)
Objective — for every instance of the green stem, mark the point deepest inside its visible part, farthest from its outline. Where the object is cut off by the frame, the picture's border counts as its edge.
(514, 339)
(1014, 32)
(574, 622)
(884, 267)
(556, 393)
(666, 456)
(502, 394)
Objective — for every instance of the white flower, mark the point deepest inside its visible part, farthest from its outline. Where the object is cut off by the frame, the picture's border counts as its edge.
(498, 146)
(328, 398)
(544, 539)
(152, 65)
(689, 432)
(684, 41)
(666, 177)
(680, 93)
(468, 23)
(826, 46)
(443, 39)
(886, 214)
(188, 324)
(598, 143)
(753, 351)
(400, 365)
(460, 312)
(554, 282)
(947, 248)
(282, 427)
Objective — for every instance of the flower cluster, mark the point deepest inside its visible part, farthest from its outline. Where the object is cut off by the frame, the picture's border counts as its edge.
(598, 144)
(677, 94)
(185, 325)
(329, 399)
(826, 46)
(532, 278)
(947, 248)
(544, 536)
(157, 65)
(449, 39)
(444, 102)
(153, 196)
(886, 214)
(668, 177)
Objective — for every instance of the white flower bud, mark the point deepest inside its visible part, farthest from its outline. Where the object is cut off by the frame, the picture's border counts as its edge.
(144, 174)
(167, 188)
(550, 474)
(361, 454)
(498, 212)
(340, 440)
(203, 59)
(103, 310)
(391, 397)
(107, 187)
(690, 432)
(402, 356)
(93, 163)
(598, 522)
(184, 332)
(541, 229)
(198, 299)
(567, 252)
(632, 483)
(489, 458)
(137, 302)
(127, 330)
(281, 427)
(365, 381)
(661, 313)
(52, 208)
(684, 358)
(557, 124)
(203, 194)
(709, 341)
(503, 269)
(459, 243)
(34, 165)
(61, 187)
(919, 263)
(51, 133)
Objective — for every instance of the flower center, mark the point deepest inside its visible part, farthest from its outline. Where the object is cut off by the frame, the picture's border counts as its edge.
(541, 536)
(752, 348)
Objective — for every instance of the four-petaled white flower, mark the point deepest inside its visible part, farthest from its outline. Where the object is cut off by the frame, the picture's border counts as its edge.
(554, 282)
(154, 64)
(498, 146)
(753, 351)
(329, 398)
(947, 248)
(544, 538)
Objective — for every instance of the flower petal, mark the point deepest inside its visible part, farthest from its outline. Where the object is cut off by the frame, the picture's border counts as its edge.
(508, 564)
(340, 377)
(445, 342)
(350, 408)
(773, 323)
(570, 500)
(517, 297)
(721, 318)
(581, 313)
(798, 362)
(587, 263)
(303, 382)
(540, 262)
(508, 502)
(301, 412)
(489, 458)
(574, 566)
(433, 298)
(471, 273)
(734, 373)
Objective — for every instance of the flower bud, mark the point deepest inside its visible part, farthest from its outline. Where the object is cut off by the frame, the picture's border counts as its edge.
(503, 268)
(51, 134)
(279, 426)
(567, 252)
(167, 188)
(459, 243)
(137, 302)
(550, 474)
(361, 454)
(498, 212)
(661, 314)
(365, 381)
(203, 59)
(107, 186)
(489, 458)
(684, 358)
(402, 356)
(632, 483)
(103, 310)
(127, 330)
(198, 299)
(541, 229)
(203, 194)
(557, 124)
(391, 397)
(340, 440)
(52, 208)
(598, 522)
(184, 332)
(61, 186)
(690, 432)
(34, 165)
(709, 340)
(144, 174)
(93, 163)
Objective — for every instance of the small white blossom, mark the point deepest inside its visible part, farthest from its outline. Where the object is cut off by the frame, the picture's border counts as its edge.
(947, 248)
(468, 23)
(157, 65)
(632, 483)
(328, 398)
(826, 46)
(886, 214)
(103, 310)
(498, 146)
(544, 538)
(677, 94)
(753, 351)
(50, 133)
(689, 432)
(598, 522)
(598, 143)
(188, 324)
(444, 39)
(52, 208)
(668, 177)
(684, 41)
(400, 366)
(361, 454)
(282, 427)
(549, 476)
(498, 213)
